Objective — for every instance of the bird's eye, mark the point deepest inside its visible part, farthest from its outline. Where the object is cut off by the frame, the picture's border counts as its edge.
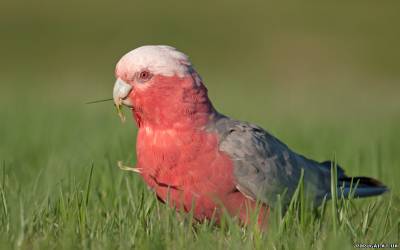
(144, 76)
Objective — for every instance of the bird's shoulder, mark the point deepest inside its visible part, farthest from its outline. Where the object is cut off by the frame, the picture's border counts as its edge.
(240, 138)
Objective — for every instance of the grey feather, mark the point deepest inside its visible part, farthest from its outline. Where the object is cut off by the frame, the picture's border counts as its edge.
(264, 167)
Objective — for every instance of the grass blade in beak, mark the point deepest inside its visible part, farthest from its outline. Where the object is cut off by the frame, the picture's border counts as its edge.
(119, 112)
(97, 101)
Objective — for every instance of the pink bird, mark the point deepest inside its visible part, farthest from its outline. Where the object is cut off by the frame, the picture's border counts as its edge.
(197, 158)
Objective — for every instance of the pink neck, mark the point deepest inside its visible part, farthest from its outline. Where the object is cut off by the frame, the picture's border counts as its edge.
(173, 103)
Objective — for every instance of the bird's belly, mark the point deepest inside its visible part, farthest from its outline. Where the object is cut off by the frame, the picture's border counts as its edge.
(189, 171)
(199, 184)
(207, 196)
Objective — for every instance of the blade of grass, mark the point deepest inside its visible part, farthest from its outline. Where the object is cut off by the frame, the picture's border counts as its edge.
(89, 184)
(98, 101)
(334, 195)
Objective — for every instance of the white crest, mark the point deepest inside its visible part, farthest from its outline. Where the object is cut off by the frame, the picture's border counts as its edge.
(159, 59)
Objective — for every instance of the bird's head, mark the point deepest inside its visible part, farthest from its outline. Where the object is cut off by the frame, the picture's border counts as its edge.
(160, 85)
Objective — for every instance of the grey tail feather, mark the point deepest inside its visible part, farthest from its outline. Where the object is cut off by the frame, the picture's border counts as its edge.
(357, 187)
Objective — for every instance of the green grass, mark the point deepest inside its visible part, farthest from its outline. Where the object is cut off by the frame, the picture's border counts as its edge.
(60, 186)
(322, 77)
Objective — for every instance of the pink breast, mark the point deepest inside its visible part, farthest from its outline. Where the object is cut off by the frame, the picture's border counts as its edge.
(188, 169)
(186, 166)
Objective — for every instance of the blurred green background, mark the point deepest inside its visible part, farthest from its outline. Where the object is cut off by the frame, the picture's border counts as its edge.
(322, 76)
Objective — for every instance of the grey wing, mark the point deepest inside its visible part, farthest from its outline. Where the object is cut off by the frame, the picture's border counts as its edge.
(264, 167)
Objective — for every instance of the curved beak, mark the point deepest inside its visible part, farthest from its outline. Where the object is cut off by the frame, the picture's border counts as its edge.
(121, 92)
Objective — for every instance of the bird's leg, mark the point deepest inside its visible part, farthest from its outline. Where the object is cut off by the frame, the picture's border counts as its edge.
(128, 168)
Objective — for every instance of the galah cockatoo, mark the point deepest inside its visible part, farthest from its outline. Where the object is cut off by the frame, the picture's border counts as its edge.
(199, 159)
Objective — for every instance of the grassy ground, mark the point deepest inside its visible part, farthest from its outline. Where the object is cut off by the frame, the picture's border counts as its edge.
(60, 186)
(323, 77)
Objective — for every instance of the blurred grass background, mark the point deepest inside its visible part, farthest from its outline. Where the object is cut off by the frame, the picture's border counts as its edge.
(323, 77)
